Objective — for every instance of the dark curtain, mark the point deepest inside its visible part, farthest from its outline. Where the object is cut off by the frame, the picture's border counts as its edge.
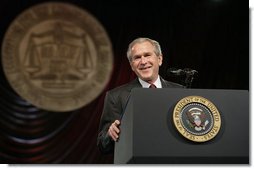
(210, 36)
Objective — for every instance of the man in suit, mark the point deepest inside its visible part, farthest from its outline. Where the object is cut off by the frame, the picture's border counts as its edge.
(145, 58)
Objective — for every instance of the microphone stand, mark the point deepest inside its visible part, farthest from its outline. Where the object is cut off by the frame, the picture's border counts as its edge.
(189, 77)
(188, 80)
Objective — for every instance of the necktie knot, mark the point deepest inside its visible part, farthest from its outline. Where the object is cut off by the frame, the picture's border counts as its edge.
(152, 86)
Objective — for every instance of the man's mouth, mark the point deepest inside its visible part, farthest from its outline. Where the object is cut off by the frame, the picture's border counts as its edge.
(145, 68)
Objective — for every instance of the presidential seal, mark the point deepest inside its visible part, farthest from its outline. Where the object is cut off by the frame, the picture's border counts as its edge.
(197, 119)
(57, 56)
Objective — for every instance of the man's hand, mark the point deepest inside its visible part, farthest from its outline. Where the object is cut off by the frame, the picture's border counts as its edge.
(114, 130)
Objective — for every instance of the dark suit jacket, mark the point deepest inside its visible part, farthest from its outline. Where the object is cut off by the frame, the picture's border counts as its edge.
(114, 104)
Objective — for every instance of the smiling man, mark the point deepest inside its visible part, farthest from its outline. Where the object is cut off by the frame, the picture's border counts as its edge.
(145, 58)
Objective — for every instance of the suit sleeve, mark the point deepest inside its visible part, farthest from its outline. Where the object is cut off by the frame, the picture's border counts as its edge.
(111, 112)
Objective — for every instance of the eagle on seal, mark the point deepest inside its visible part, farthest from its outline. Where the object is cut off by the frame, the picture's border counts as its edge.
(196, 119)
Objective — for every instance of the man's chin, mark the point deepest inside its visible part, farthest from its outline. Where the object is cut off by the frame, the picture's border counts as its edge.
(147, 79)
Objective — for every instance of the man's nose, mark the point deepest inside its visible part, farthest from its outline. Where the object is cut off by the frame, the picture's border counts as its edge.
(143, 60)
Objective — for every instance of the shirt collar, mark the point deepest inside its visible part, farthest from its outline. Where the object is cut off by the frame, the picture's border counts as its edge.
(157, 83)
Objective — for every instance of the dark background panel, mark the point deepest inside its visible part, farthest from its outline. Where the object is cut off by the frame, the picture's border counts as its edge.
(210, 36)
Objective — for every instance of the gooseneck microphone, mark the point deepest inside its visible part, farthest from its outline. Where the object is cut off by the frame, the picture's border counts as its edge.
(186, 73)
(178, 72)
(174, 71)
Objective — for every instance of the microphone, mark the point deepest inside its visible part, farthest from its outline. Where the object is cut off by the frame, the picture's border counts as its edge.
(186, 73)
(189, 71)
(174, 71)
(180, 72)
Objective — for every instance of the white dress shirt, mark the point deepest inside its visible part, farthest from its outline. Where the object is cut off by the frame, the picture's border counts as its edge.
(157, 83)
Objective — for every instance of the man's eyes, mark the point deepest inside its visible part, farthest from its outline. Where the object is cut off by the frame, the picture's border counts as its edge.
(136, 57)
(139, 57)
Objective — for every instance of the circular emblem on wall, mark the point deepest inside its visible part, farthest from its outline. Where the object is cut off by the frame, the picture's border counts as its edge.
(57, 56)
(197, 118)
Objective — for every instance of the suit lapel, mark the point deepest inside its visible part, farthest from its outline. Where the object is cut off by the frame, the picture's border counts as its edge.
(127, 92)
(163, 83)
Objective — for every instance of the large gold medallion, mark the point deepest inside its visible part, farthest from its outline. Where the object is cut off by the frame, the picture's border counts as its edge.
(57, 56)
(197, 118)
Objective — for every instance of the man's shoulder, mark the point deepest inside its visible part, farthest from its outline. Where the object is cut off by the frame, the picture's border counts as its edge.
(125, 87)
(119, 88)
(176, 85)
(170, 84)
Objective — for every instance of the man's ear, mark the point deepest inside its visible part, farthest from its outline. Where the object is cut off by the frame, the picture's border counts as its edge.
(160, 60)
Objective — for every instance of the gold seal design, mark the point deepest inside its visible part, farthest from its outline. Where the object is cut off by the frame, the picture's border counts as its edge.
(197, 119)
(57, 56)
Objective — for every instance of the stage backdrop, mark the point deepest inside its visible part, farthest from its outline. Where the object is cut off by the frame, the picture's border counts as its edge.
(210, 36)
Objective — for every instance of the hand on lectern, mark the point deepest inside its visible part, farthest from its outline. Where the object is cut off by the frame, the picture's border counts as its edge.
(114, 130)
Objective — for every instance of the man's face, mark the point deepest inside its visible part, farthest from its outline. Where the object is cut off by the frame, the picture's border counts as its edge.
(144, 61)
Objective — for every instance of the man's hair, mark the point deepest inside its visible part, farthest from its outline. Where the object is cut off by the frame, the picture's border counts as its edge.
(157, 47)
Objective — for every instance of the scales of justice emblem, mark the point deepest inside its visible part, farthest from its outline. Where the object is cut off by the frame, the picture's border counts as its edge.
(57, 56)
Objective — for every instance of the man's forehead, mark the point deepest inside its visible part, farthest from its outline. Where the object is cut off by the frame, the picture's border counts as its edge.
(141, 45)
